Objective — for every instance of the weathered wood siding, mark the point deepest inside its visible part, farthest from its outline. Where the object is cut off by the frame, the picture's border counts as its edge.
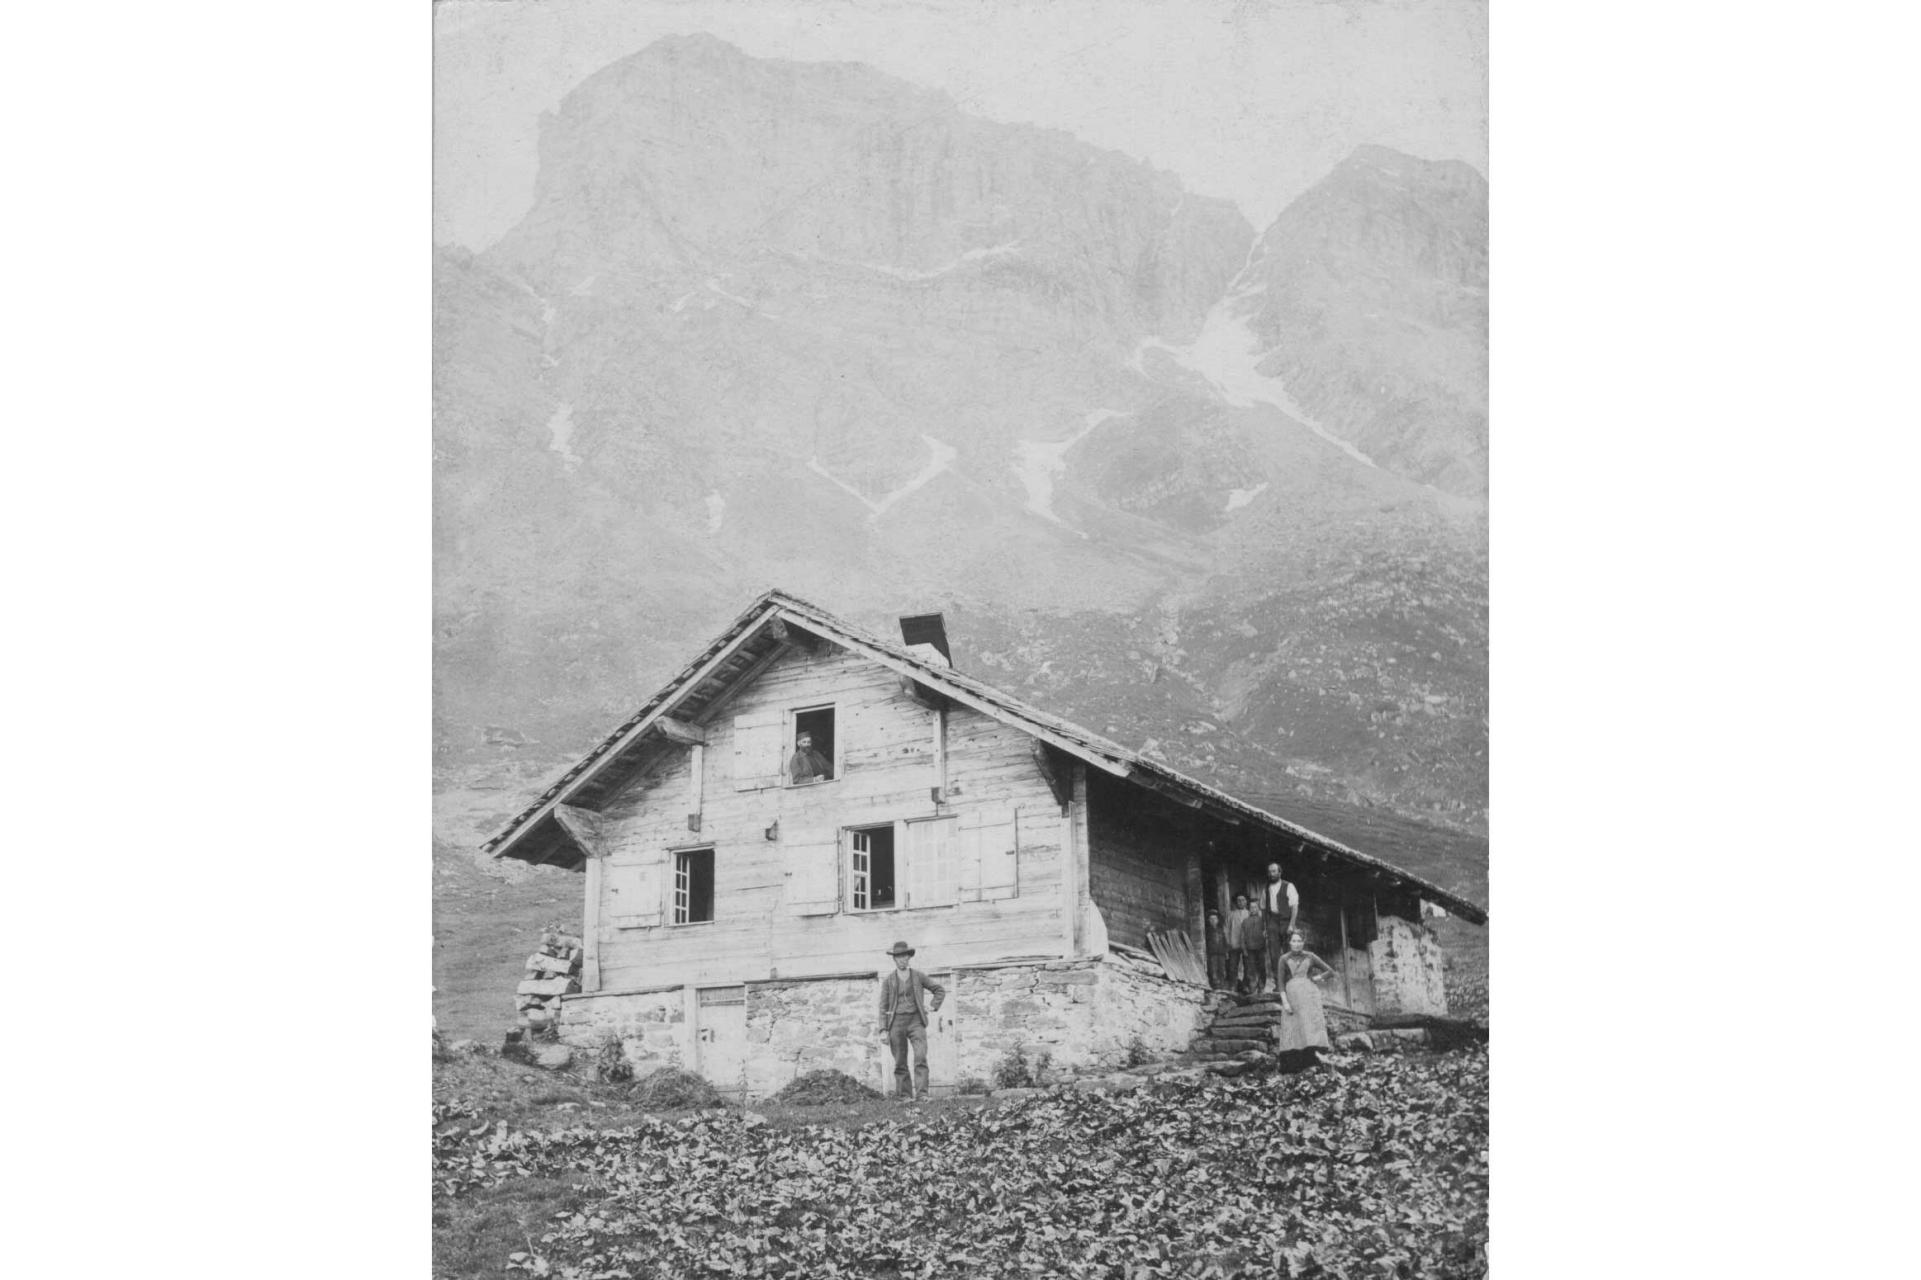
(1138, 862)
(887, 768)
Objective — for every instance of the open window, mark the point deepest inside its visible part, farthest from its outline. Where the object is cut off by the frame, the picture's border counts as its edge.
(873, 868)
(693, 886)
(813, 755)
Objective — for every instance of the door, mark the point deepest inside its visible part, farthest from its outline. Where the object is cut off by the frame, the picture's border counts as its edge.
(720, 1038)
(943, 1042)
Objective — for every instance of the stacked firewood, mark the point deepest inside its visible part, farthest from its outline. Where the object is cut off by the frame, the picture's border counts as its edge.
(552, 972)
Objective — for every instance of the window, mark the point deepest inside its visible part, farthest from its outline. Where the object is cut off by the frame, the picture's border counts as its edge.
(693, 886)
(873, 878)
(813, 756)
(905, 864)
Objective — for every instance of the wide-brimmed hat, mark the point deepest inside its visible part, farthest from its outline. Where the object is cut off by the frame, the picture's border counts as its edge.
(900, 949)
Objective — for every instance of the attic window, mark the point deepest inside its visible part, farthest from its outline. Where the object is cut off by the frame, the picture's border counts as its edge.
(693, 886)
(813, 755)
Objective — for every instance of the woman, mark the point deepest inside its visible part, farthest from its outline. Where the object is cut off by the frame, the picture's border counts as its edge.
(1303, 1024)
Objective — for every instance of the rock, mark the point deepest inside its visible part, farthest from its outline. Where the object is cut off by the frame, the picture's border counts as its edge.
(1014, 1095)
(463, 1046)
(1360, 1041)
(752, 1119)
(554, 1057)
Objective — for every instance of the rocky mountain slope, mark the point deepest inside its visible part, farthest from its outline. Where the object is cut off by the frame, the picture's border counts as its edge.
(804, 325)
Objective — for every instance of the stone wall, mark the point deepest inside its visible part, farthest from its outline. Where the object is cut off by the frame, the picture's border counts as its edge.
(1083, 1013)
(797, 1027)
(1406, 960)
(650, 1025)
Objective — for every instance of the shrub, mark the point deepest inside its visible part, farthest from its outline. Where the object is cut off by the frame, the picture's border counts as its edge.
(1138, 1054)
(1016, 1071)
(611, 1061)
(972, 1086)
(1012, 1071)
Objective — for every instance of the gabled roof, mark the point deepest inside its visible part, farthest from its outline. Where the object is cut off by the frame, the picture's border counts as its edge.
(759, 635)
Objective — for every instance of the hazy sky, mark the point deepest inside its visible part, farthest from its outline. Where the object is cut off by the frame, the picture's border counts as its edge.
(1251, 101)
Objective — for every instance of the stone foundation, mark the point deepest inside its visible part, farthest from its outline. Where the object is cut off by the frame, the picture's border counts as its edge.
(650, 1025)
(1406, 961)
(797, 1027)
(1085, 1014)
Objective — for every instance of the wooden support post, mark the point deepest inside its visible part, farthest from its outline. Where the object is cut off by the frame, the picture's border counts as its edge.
(1347, 991)
(940, 755)
(696, 768)
(1196, 907)
(590, 928)
(1075, 864)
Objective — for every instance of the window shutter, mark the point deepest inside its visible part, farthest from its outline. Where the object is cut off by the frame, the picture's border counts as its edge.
(634, 894)
(758, 739)
(931, 850)
(812, 858)
(991, 858)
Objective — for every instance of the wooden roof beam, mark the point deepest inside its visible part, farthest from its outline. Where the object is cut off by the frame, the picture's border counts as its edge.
(688, 735)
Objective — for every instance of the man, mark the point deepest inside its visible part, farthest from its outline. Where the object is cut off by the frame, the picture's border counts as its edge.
(1252, 942)
(1240, 969)
(807, 764)
(1280, 906)
(903, 1020)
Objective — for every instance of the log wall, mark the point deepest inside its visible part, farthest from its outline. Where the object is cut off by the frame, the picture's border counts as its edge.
(888, 766)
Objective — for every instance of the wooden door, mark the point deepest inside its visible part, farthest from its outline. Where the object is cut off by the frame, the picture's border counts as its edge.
(720, 1038)
(943, 1043)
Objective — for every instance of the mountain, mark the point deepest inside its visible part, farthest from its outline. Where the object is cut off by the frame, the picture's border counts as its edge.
(1369, 294)
(772, 323)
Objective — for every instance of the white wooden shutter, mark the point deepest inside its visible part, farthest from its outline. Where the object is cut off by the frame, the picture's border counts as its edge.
(812, 860)
(633, 894)
(928, 853)
(989, 859)
(758, 739)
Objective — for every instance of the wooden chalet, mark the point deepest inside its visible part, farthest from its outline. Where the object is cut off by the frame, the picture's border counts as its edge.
(739, 900)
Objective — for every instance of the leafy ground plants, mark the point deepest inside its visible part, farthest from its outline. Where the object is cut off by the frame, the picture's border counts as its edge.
(1376, 1169)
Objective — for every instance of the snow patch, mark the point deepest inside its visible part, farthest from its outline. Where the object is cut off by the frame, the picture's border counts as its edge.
(584, 288)
(682, 300)
(972, 255)
(1040, 464)
(560, 434)
(1238, 498)
(1224, 354)
(941, 456)
(716, 510)
(714, 286)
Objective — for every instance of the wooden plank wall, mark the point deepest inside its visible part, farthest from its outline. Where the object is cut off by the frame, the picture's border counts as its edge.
(888, 766)
(1137, 861)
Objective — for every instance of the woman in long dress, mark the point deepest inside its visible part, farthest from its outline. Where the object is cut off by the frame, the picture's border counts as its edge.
(1303, 1023)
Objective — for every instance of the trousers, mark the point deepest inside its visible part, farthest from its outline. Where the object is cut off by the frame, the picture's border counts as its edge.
(905, 1031)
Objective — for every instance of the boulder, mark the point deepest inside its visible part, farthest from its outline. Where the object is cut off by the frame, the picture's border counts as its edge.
(554, 1057)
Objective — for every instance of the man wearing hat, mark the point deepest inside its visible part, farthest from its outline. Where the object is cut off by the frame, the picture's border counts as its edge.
(904, 1007)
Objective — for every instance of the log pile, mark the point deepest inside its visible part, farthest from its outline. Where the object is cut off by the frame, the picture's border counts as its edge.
(552, 972)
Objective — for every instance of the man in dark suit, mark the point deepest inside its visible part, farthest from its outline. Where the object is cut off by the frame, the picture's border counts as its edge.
(904, 1007)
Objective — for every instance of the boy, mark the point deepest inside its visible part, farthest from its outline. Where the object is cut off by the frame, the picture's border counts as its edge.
(1216, 951)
